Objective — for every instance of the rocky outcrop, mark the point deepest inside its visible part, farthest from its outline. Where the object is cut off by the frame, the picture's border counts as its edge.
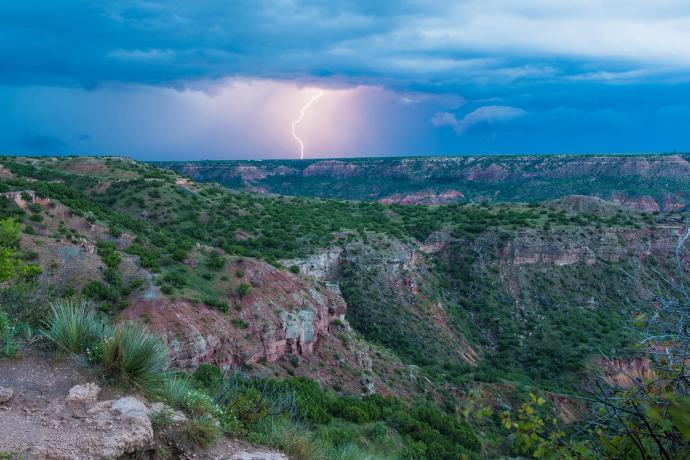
(331, 168)
(5, 173)
(673, 202)
(78, 427)
(251, 173)
(6, 394)
(490, 173)
(83, 394)
(426, 197)
(323, 265)
(283, 314)
(534, 247)
(625, 373)
(25, 198)
(503, 178)
(577, 204)
(643, 203)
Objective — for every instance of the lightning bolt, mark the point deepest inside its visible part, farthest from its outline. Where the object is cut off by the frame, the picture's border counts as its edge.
(299, 120)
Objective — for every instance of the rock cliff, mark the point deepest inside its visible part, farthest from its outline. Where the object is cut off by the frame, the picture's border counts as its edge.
(283, 314)
(639, 182)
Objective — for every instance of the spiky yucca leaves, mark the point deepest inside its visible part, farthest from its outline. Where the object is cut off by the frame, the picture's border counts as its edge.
(135, 357)
(198, 432)
(75, 325)
(174, 388)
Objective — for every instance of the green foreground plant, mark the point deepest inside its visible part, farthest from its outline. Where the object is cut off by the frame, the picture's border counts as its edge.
(127, 353)
(75, 326)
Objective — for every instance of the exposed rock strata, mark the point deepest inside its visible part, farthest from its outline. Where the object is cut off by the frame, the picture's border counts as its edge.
(283, 314)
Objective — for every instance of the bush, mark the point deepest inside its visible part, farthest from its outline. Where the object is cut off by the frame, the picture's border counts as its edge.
(75, 325)
(98, 290)
(136, 358)
(27, 301)
(244, 289)
(220, 305)
(8, 347)
(9, 239)
(198, 403)
(208, 375)
(215, 261)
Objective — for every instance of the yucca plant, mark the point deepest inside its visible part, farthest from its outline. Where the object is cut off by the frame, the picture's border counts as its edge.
(135, 357)
(198, 432)
(173, 389)
(75, 325)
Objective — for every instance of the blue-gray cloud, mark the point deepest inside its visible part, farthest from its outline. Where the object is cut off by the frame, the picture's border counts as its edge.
(504, 74)
(401, 44)
(486, 114)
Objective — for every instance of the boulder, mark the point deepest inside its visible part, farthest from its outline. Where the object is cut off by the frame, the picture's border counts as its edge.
(6, 394)
(130, 407)
(83, 394)
(177, 417)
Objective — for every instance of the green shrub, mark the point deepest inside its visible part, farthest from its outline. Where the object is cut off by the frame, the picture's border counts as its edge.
(218, 304)
(108, 254)
(199, 403)
(177, 279)
(27, 301)
(8, 331)
(75, 325)
(98, 290)
(208, 375)
(355, 414)
(215, 261)
(9, 239)
(239, 323)
(244, 289)
(134, 357)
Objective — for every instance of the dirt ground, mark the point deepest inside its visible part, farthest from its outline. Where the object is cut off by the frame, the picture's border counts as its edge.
(36, 419)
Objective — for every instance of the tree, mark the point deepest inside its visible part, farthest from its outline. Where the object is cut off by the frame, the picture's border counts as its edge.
(11, 265)
(11, 268)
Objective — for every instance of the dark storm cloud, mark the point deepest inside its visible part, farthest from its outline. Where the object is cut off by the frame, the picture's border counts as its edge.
(407, 44)
(88, 42)
(618, 67)
(41, 143)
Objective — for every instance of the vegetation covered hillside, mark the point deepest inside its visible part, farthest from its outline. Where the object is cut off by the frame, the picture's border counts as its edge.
(642, 182)
(348, 329)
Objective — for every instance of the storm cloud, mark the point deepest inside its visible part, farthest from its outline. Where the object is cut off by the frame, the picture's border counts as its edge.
(477, 66)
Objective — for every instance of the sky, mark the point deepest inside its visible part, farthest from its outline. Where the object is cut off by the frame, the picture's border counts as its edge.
(212, 79)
